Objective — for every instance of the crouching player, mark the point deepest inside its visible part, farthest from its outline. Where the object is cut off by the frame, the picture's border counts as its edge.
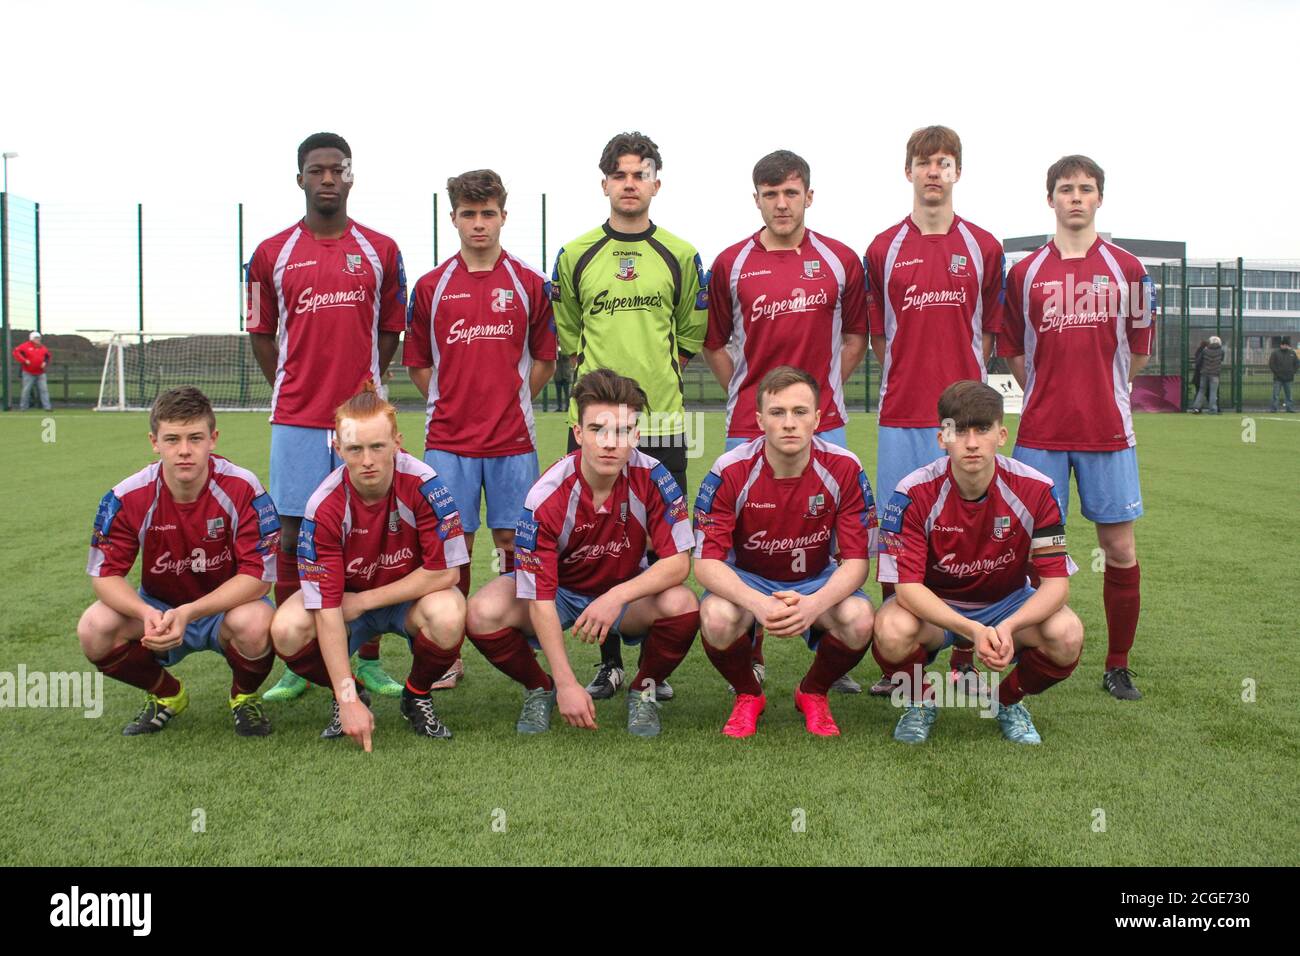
(580, 562)
(771, 517)
(957, 539)
(207, 535)
(379, 552)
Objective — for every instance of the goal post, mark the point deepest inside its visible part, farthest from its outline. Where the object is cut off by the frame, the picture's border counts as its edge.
(139, 366)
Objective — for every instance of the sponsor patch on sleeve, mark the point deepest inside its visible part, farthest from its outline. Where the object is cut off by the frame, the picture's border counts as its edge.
(892, 518)
(109, 506)
(311, 572)
(306, 542)
(669, 490)
(268, 524)
(677, 510)
(702, 297)
(708, 488)
(527, 560)
(526, 532)
(1048, 540)
(553, 287)
(401, 280)
(450, 526)
(891, 544)
(436, 492)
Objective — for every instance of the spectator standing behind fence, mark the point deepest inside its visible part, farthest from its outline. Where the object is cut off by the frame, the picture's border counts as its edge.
(1282, 363)
(563, 378)
(34, 358)
(1196, 363)
(1211, 366)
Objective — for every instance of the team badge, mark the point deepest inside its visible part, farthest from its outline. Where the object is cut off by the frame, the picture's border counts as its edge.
(1098, 281)
(216, 527)
(354, 264)
(957, 264)
(392, 522)
(816, 505)
(502, 299)
(627, 269)
(1002, 527)
(812, 268)
(622, 512)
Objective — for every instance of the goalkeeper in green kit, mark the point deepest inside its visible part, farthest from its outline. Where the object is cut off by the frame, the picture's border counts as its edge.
(631, 297)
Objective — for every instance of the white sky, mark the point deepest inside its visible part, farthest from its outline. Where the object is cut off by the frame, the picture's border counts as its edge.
(192, 107)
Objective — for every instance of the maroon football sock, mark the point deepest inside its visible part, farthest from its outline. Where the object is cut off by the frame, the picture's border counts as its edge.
(912, 669)
(756, 653)
(1033, 675)
(309, 663)
(833, 660)
(509, 652)
(1122, 595)
(736, 664)
(135, 664)
(247, 675)
(962, 656)
(886, 591)
(430, 662)
(369, 651)
(665, 647)
(462, 583)
(286, 577)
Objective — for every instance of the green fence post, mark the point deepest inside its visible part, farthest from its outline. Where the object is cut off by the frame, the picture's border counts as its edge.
(1164, 282)
(139, 279)
(243, 297)
(1239, 345)
(1184, 310)
(4, 292)
(38, 268)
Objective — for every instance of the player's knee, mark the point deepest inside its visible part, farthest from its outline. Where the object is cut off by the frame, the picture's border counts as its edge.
(719, 622)
(442, 616)
(250, 626)
(859, 626)
(1064, 639)
(677, 601)
(94, 632)
(291, 630)
(895, 631)
(482, 615)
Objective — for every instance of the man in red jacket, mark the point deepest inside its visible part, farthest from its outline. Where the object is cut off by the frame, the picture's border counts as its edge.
(34, 359)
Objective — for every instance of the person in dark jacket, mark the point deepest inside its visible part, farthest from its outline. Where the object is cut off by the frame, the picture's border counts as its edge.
(1282, 363)
(1196, 363)
(563, 377)
(1211, 366)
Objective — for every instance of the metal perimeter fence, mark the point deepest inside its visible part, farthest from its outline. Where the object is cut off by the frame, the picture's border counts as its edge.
(100, 269)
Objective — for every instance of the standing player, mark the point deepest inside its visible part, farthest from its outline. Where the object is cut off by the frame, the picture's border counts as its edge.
(633, 298)
(935, 295)
(480, 345)
(326, 307)
(785, 296)
(379, 552)
(1079, 327)
(771, 519)
(205, 532)
(580, 562)
(957, 539)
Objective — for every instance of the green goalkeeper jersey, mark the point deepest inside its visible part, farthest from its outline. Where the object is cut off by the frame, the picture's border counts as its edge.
(631, 303)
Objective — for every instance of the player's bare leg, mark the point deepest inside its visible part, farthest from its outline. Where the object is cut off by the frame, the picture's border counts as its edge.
(245, 637)
(293, 635)
(496, 622)
(290, 686)
(1122, 597)
(902, 644)
(846, 630)
(1049, 653)
(725, 630)
(669, 620)
(436, 624)
(111, 641)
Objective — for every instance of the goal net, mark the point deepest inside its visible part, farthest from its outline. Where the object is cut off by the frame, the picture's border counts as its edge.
(140, 365)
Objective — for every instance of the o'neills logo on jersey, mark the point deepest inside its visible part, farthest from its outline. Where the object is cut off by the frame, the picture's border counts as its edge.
(923, 300)
(455, 295)
(604, 302)
(460, 333)
(759, 541)
(908, 262)
(589, 552)
(299, 265)
(965, 569)
(312, 302)
(357, 567)
(199, 561)
(799, 301)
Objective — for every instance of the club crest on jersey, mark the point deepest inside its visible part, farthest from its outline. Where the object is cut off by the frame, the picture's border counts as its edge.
(392, 522)
(622, 512)
(816, 505)
(1002, 527)
(216, 527)
(502, 299)
(957, 264)
(812, 268)
(353, 267)
(1098, 281)
(627, 269)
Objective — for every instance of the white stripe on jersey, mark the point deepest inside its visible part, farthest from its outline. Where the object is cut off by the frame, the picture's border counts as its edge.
(921, 475)
(1017, 507)
(837, 324)
(281, 327)
(434, 392)
(740, 364)
(378, 266)
(550, 481)
(933, 516)
(570, 517)
(891, 320)
(1017, 467)
(1031, 334)
(1123, 361)
(977, 316)
(323, 491)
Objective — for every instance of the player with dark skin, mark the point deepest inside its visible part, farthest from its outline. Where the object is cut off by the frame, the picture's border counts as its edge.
(326, 180)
